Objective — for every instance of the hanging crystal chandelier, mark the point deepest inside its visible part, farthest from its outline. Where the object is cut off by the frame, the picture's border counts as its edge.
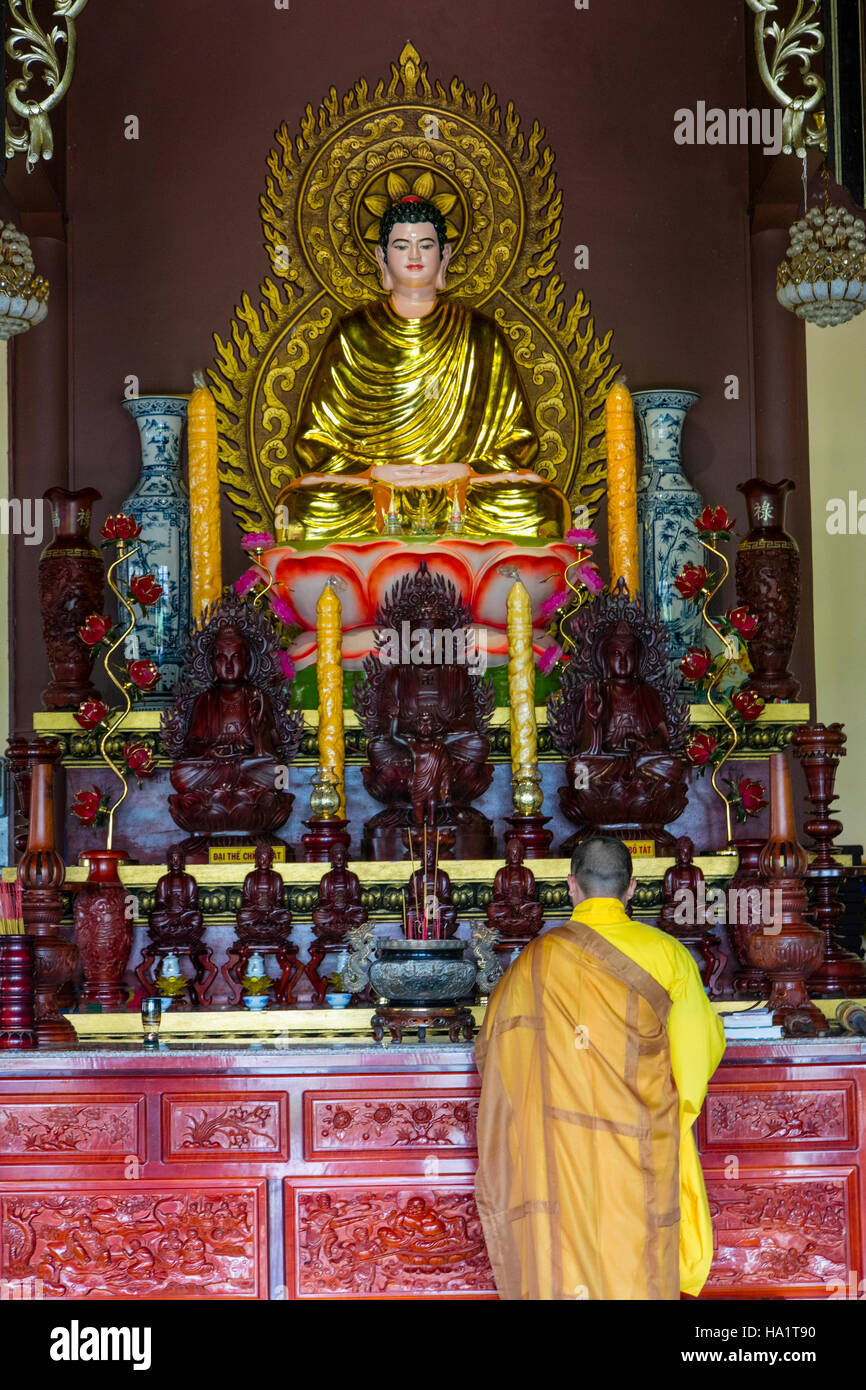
(823, 279)
(23, 293)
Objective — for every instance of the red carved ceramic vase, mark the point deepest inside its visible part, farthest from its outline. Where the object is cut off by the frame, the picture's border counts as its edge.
(71, 587)
(103, 931)
(768, 584)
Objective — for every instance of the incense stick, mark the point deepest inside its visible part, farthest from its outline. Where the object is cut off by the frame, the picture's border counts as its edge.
(11, 911)
(436, 887)
(414, 879)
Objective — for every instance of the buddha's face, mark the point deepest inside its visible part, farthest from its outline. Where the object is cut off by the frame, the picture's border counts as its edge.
(414, 261)
(620, 656)
(229, 657)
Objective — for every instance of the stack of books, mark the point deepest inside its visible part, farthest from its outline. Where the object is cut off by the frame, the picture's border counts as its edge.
(751, 1025)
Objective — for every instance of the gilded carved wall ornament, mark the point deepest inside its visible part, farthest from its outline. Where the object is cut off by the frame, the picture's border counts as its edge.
(37, 53)
(777, 47)
(326, 191)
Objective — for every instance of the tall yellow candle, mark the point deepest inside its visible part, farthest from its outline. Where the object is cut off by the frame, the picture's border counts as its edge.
(621, 488)
(521, 678)
(204, 499)
(329, 678)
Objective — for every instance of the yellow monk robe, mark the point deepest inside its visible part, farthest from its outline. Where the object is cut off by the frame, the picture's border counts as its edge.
(437, 390)
(595, 1055)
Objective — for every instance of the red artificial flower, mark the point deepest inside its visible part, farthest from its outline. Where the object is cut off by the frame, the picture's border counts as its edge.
(284, 611)
(696, 663)
(90, 713)
(145, 590)
(139, 759)
(701, 749)
(94, 629)
(590, 576)
(748, 705)
(258, 540)
(691, 580)
(745, 622)
(553, 604)
(714, 519)
(142, 673)
(90, 807)
(549, 658)
(120, 528)
(248, 580)
(751, 795)
(581, 536)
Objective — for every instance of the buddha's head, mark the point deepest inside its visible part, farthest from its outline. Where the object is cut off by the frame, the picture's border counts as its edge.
(514, 851)
(174, 858)
(264, 856)
(684, 851)
(338, 856)
(424, 725)
(619, 652)
(413, 252)
(230, 656)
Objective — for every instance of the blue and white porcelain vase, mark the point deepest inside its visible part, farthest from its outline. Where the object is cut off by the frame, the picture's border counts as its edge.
(667, 506)
(160, 504)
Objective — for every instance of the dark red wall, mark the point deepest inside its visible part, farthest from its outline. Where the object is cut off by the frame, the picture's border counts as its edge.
(164, 233)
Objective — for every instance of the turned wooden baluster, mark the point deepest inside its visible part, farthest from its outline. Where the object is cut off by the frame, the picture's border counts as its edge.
(785, 945)
(41, 873)
(819, 747)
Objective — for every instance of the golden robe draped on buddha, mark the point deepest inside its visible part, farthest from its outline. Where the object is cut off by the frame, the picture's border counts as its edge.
(440, 394)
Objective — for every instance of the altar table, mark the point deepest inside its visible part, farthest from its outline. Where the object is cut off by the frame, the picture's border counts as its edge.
(344, 1169)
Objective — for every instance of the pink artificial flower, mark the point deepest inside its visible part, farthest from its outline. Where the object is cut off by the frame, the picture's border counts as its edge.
(258, 540)
(553, 604)
(590, 577)
(248, 580)
(581, 536)
(549, 658)
(284, 611)
(287, 666)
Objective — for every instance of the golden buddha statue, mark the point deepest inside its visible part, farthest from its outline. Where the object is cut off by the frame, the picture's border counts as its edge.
(417, 399)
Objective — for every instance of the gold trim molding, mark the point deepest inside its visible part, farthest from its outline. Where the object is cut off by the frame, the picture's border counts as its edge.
(777, 47)
(37, 54)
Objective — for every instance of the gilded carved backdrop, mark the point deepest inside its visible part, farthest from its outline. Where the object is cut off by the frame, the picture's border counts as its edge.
(326, 190)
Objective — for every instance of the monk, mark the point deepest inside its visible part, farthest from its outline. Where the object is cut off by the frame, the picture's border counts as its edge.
(595, 1055)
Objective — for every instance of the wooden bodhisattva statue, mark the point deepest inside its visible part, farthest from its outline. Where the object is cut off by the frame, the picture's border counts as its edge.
(425, 718)
(231, 731)
(338, 912)
(515, 911)
(264, 924)
(177, 927)
(621, 725)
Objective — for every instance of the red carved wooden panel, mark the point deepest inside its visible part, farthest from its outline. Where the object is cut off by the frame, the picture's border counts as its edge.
(143, 1240)
(784, 1233)
(353, 1123)
(394, 1239)
(91, 1128)
(769, 1115)
(225, 1127)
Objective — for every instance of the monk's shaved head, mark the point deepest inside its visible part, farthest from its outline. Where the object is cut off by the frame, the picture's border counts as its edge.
(602, 867)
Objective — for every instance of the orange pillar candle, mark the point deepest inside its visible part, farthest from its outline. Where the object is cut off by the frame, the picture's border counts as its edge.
(329, 678)
(204, 499)
(621, 488)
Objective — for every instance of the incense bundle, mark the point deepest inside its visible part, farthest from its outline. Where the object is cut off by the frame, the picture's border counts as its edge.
(11, 913)
(17, 1027)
